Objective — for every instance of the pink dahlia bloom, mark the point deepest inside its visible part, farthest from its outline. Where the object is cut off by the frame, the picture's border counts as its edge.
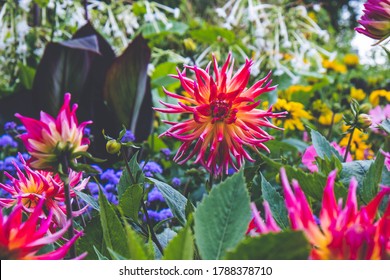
(49, 139)
(223, 116)
(342, 231)
(376, 19)
(34, 185)
(378, 115)
(22, 239)
(310, 154)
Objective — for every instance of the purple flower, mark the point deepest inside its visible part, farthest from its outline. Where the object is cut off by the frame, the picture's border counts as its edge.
(155, 195)
(160, 215)
(128, 137)
(110, 176)
(378, 115)
(87, 132)
(376, 19)
(176, 182)
(9, 126)
(151, 168)
(166, 152)
(7, 141)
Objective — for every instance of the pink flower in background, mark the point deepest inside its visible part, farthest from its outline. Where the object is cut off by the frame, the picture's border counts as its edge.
(21, 239)
(34, 185)
(342, 231)
(310, 154)
(387, 159)
(376, 19)
(49, 139)
(379, 114)
(223, 116)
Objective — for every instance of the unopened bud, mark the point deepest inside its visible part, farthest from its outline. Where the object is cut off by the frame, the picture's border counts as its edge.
(364, 120)
(113, 146)
(189, 44)
(365, 108)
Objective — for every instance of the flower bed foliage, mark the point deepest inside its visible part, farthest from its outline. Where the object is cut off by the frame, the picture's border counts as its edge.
(174, 130)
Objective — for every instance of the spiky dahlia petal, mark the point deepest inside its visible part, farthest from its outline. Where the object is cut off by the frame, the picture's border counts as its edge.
(223, 116)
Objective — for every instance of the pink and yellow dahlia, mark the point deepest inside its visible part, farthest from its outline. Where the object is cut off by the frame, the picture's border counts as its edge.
(341, 232)
(34, 185)
(22, 239)
(49, 139)
(223, 116)
(376, 19)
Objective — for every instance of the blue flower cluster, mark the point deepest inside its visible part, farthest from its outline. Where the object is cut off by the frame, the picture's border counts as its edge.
(151, 168)
(7, 163)
(166, 153)
(128, 137)
(108, 181)
(161, 215)
(6, 141)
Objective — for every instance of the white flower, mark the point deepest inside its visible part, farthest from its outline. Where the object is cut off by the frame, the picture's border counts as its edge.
(25, 5)
(22, 28)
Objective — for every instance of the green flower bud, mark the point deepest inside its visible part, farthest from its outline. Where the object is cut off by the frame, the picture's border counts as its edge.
(364, 121)
(113, 146)
(365, 108)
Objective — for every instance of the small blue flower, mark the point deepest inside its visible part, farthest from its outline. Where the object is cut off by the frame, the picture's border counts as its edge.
(176, 182)
(9, 126)
(21, 129)
(155, 195)
(7, 141)
(128, 137)
(151, 168)
(166, 152)
(87, 132)
(110, 176)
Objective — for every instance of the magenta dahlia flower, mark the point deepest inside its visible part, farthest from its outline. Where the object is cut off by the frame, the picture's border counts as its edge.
(22, 239)
(49, 139)
(376, 19)
(341, 231)
(223, 116)
(34, 185)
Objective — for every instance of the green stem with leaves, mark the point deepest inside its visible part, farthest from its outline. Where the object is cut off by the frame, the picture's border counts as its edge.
(145, 210)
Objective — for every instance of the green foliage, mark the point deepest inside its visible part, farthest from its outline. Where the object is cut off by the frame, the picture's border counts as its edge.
(113, 231)
(175, 200)
(222, 218)
(181, 247)
(312, 184)
(26, 75)
(126, 181)
(92, 241)
(272, 246)
(370, 186)
(137, 249)
(323, 148)
(275, 201)
(385, 125)
(130, 201)
(88, 199)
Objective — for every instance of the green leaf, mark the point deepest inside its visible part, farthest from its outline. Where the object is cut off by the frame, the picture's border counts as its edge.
(26, 75)
(174, 199)
(275, 201)
(357, 169)
(91, 201)
(127, 87)
(370, 186)
(323, 148)
(272, 246)
(99, 255)
(113, 231)
(312, 184)
(181, 247)
(115, 255)
(385, 125)
(125, 180)
(130, 201)
(222, 218)
(92, 240)
(212, 34)
(164, 238)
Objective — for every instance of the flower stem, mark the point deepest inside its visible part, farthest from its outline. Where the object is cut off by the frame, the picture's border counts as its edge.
(331, 126)
(349, 145)
(210, 182)
(69, 216)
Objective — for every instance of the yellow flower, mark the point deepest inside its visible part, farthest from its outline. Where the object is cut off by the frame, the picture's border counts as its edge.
(357, 94)
(359, 147)
(326, 118)
(286, 94)
(335, 66)
(296, 112)
(377, 96)
(351, 59)
(189, 44)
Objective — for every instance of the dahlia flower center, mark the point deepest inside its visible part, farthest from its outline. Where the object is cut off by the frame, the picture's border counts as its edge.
(220, 110)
